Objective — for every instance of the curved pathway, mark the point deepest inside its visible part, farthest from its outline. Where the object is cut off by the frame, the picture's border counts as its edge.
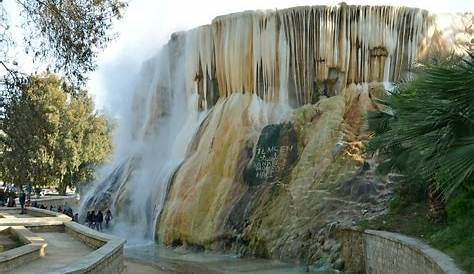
(62, 251)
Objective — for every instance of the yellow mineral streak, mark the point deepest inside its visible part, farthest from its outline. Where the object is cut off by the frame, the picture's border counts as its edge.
(307, 199)
(208, 183)
(261, 63)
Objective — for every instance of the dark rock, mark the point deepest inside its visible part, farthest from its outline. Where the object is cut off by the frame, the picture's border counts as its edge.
(275, 154)
(361, 188)
(365, 167)
(316, 94)
(103, 198)
(238, 217)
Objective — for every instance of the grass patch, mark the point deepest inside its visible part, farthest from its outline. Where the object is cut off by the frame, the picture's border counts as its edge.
(455, 237)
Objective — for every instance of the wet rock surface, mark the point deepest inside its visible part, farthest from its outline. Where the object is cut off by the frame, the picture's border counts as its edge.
(365, 187)
(291, 212)
(330, 185)
(275, 153)
(112, 184)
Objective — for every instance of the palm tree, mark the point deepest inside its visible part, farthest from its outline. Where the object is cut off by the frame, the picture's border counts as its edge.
(425, 130)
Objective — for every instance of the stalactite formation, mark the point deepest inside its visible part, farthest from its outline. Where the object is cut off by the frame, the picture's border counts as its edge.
(196, 170)
(293, 55)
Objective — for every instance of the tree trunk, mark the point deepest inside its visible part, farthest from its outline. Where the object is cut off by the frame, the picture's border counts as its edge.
(436, 206)
(62, 187)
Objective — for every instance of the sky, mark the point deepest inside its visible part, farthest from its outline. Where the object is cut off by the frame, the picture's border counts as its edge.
(148, 24)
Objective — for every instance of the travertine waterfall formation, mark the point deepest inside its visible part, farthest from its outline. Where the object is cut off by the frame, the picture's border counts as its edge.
(246, 133)
(295, 54)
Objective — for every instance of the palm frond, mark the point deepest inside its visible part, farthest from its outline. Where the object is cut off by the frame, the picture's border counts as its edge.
(426, 130)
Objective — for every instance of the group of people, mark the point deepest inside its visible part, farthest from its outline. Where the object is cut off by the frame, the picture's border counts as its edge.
(66, 210)
(94, 220)
(7, 198)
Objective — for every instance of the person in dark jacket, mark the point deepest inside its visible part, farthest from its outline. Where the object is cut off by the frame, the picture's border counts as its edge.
(100, 219)
(108, 218)
(89, 219)
(22, 202)
(11, 199)
(93, 219)
(3, 197)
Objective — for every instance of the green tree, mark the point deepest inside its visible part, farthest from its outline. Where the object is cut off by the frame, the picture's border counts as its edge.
(66, 34)
(52, 136)
(425, 130)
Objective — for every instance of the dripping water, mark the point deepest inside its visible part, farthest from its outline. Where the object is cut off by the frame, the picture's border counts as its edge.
(165, 118)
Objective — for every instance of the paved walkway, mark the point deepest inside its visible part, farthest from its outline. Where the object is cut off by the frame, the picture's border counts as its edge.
(62, 250)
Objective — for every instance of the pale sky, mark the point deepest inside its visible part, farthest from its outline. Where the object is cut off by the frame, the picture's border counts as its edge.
(148, 23)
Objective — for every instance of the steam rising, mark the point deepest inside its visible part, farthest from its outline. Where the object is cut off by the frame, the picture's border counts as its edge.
(277, 58)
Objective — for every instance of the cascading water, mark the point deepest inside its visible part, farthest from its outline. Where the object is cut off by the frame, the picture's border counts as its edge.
(203, 101)
(164, 119)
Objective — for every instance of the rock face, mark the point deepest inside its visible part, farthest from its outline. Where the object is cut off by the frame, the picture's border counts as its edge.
(210, 181)
(248, 131)
(294, 54)
(279, 198)
(275, 153)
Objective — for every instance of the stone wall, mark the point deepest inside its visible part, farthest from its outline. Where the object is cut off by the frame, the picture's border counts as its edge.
(107, 258)
(89, 237)
(57, 201)
(33, 248)
(39, 217)
(381, 252)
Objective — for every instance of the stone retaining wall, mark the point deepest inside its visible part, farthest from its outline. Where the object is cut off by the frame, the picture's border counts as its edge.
(40, 217)
(107, 258)
(46, 228)
(33, 248)
(56, 201)
(89, 237)
(381, 252)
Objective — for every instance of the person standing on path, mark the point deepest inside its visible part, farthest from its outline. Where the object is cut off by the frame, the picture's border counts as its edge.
(94, 219)
(89, 219)
(100, 219)
(108, 218)
(22, 202)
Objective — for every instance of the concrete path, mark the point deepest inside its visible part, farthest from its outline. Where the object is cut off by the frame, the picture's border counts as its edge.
(62, 250)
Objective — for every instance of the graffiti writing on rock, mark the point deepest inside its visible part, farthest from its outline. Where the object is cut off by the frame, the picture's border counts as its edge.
(271, 160)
